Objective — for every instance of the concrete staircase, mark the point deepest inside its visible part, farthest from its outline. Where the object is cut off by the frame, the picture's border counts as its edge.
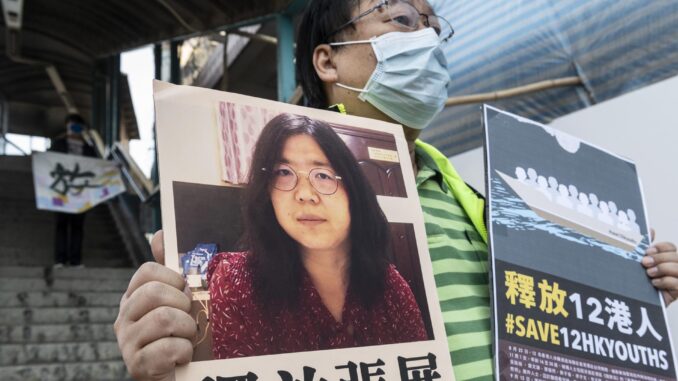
(56, 324)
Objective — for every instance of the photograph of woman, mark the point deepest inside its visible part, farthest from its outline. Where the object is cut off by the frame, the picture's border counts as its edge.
(314, 271)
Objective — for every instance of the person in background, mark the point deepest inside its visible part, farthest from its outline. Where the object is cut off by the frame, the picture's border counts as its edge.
(69, 227)
(378, 59)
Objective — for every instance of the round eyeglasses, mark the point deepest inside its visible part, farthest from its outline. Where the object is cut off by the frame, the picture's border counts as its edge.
(286, 178)
(406, 17)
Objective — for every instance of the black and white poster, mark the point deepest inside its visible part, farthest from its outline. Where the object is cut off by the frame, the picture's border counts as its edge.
(568, 229)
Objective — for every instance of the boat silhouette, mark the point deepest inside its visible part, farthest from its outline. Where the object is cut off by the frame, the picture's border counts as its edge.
(550, 210)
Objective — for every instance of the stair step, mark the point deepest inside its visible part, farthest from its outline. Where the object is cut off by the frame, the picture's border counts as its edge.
(66, 272)
(29, 205)
(21, 194)
(15, 180)
(22, 251)
(100, 371)
(24, 354)
(29, 209)
(57, 315)
(47, 218)
(46, 258)
(15, 237)
(62, 284)
(56, 333)
(41, 299)
(12, 206)
(18, 194)
(103, 240)
(15, 232)
(15, 163)
(92, 229)
(22, 271)
(92, 257)
(11, 185)
(21, 177)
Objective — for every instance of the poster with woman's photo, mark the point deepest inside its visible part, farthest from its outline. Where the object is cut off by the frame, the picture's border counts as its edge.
(301, 237)
(568, 229)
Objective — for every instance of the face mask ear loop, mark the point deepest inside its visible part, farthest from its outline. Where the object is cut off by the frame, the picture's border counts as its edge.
(350, 88)
(350, 43)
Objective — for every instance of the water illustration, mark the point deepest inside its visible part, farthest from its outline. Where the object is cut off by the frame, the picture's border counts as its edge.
(512, 212)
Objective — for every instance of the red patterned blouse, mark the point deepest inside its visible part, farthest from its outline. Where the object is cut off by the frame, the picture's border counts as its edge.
(241, 329)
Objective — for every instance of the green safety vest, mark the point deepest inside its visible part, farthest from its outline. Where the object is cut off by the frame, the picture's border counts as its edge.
(473, 205)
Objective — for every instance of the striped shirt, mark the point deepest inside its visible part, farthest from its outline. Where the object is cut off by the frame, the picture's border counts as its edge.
(460, 265)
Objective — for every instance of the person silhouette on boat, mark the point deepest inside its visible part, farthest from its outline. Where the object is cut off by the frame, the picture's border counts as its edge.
(553, 186)
(604, 215)
(521, 175)
(613, 207)
(574, 193)
(532, 177)
(623, 221)
(543, 187)
(564, 197)
(632, 220)
(594, 203)
(584, 207)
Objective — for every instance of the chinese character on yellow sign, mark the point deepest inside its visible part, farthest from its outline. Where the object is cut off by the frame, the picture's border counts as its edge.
(520, 286)
(552, 298)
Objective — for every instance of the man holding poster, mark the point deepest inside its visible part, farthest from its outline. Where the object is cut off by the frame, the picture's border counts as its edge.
(337, 62)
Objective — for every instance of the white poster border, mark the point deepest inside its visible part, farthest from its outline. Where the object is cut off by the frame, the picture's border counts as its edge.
(194, 109)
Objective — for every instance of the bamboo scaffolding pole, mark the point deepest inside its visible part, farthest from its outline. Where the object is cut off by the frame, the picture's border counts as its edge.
(514, 91)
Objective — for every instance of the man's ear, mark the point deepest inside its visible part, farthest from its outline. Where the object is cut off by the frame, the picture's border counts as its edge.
(323, 62)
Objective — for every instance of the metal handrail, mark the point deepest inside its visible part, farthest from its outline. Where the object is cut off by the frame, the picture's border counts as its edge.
(132, 173)
(127, 224)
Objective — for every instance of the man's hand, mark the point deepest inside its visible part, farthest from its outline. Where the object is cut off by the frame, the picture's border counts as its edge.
(154, 328)
(661, 264)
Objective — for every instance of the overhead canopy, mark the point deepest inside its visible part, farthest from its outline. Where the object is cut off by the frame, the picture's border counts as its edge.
(612, 46)
(73, 34)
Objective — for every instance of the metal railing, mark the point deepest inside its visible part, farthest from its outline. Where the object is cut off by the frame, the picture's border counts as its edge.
(126, 211)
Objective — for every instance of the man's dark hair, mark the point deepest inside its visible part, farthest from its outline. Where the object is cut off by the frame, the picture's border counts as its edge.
(320, 20)
(74, 118)
(275, 256)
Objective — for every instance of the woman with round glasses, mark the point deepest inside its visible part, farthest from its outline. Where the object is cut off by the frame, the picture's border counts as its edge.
(315, 273)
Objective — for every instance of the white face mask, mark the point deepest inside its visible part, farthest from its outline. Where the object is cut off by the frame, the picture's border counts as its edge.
(409, 83)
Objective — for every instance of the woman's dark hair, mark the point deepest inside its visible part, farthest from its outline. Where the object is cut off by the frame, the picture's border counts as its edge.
(319, 25)
(276, 260)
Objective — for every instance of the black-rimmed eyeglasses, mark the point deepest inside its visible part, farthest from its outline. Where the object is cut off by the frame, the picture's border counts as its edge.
(406, 17)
